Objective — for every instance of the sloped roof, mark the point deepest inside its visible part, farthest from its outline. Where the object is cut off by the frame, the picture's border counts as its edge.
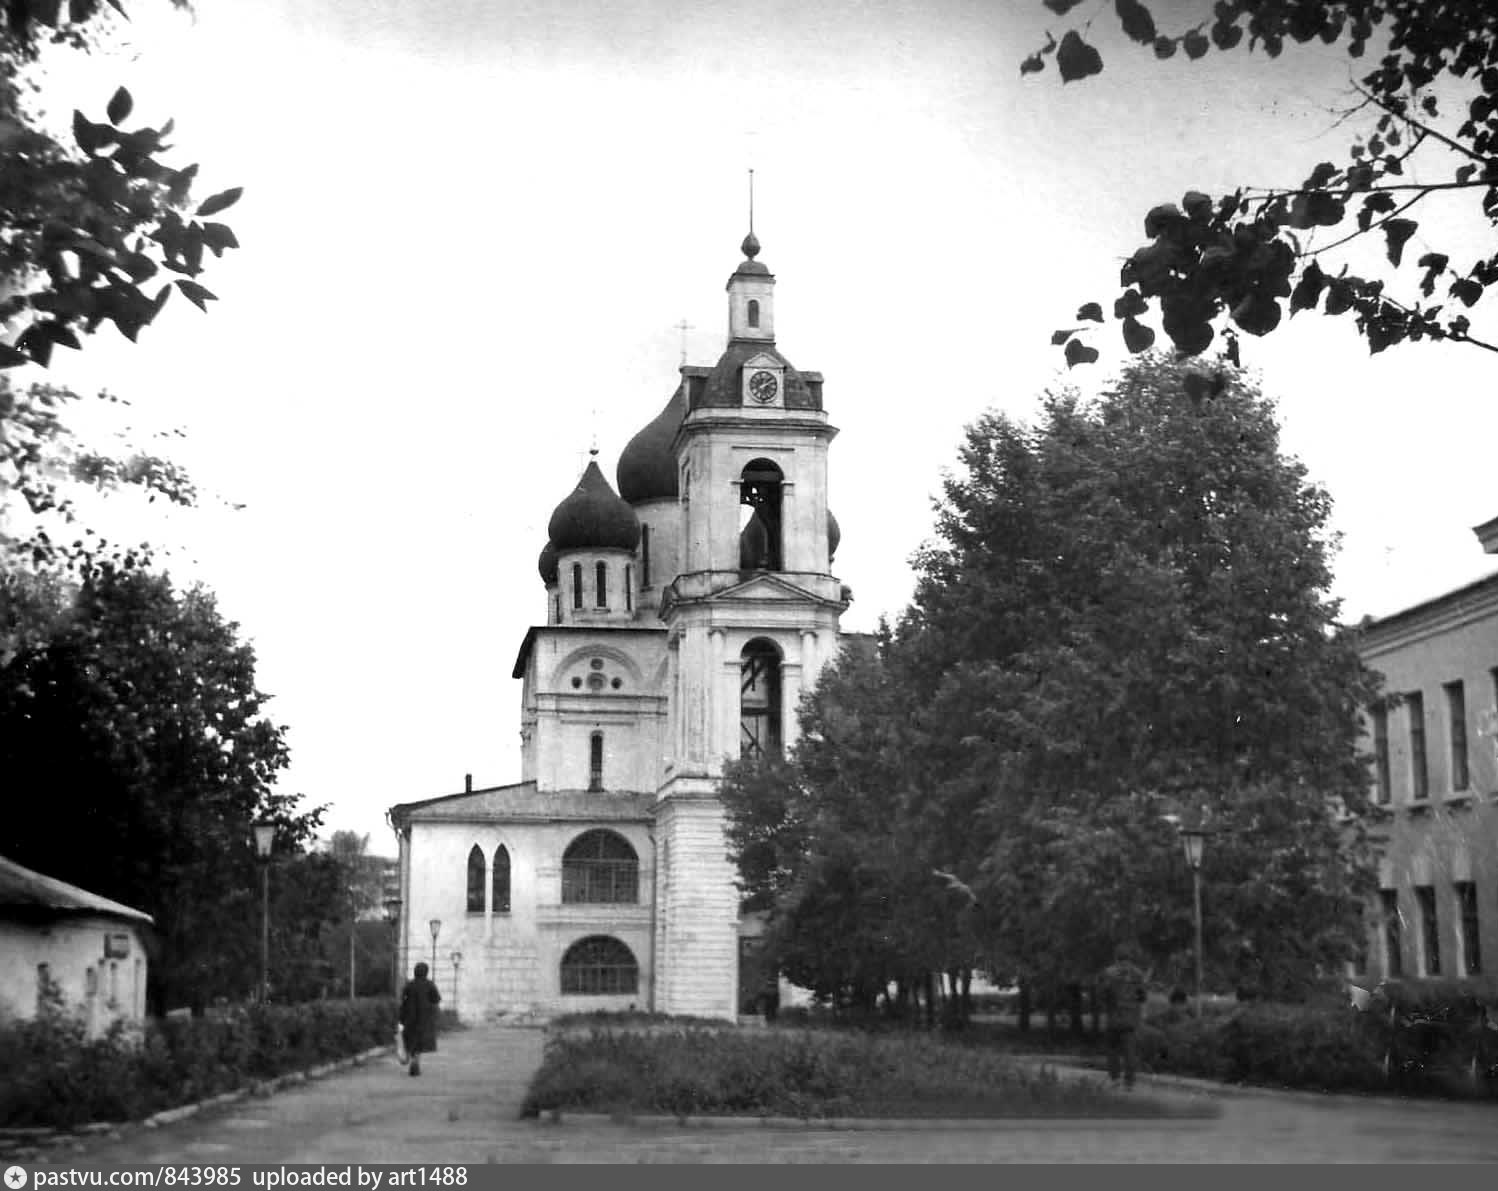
(722, 388)
(522, 802)
(26, 893)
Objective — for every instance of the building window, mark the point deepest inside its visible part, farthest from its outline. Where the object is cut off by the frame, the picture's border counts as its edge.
(599, 966)
(475, 880)
(759, 700)
(598, 868)
(1466, 901)
(577, 585)
(499, 883)
(1393, 934)
(1381, 755)
(753, 313)
(644, 556)
(556, 608)
(601, 581)
(759, 542)
(1456, 717)
(1430, 940)
(1419, 775)
(629, 588)
(595, 762)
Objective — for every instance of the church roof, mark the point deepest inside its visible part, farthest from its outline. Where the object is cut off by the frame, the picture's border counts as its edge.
(26, 893)
(647, 466)
(593, 517)
(723, 386)
(523, 803)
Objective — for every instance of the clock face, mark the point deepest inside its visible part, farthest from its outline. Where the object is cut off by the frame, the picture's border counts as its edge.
(763, 386)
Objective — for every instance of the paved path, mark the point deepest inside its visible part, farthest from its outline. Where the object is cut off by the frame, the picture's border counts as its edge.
(465, 1105)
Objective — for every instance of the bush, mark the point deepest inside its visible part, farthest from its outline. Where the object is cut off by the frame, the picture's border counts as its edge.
(805, 1073)
(56, 1076)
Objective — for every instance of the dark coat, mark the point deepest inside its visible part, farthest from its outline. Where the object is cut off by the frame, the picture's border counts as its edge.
(418, 1015)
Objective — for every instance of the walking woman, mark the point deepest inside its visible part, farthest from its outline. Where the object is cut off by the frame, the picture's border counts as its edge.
(418, 1016)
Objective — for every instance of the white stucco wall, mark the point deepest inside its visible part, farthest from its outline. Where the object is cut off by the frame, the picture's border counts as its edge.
(103, 988)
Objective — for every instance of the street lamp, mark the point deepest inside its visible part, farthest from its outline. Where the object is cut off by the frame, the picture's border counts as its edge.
(457, 958)
(393, 916)
(436, 925)
(1194, 840)
(265, 836)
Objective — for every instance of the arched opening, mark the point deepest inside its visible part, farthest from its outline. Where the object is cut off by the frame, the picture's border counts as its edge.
(499, 881)
(601, 582)
(577, 585)
(599, 966)
(475, 880)
(753, 312)
(600, 867)
(759, 700)
(759, 537)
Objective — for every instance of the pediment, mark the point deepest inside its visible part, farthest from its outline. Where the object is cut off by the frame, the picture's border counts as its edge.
(767, 586)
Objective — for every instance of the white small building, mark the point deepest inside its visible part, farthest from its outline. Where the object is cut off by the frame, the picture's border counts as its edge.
(684, 615)
(92, 949)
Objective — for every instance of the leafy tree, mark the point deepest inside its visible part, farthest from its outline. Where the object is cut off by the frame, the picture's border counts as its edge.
(1125, 618)
(1238, 262)
(87, 226)
(136, 734)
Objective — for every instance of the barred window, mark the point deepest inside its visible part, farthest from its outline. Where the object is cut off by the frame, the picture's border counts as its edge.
(600, 867)
(500, 881)
(599, 965)
(475, 880)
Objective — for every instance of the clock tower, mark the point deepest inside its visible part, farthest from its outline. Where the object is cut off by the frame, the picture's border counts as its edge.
(751, 618)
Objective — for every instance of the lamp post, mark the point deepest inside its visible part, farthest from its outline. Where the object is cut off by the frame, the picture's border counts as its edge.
(436, 925)
(457, 958)
(265, 837)
(1194, 840)
(393, 916)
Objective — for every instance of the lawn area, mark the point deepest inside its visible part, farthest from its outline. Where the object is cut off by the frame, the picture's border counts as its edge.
(692, 1071)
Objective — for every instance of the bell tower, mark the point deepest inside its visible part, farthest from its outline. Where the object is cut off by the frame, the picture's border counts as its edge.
(751, 618)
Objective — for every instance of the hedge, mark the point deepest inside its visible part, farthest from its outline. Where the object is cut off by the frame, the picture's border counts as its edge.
(57, 1077)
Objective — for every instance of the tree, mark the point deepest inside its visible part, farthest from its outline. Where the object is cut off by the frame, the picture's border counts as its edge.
(87, 227)
(1126, 617)
(1238, 262)
(136, 735)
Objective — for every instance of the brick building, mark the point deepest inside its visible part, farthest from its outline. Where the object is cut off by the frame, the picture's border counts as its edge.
(684, 614)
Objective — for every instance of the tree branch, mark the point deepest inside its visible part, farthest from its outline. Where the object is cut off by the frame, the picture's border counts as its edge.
(1363, 231)
(1425, 128)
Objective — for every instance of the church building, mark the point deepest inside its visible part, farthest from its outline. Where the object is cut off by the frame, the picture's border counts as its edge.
(685, 612)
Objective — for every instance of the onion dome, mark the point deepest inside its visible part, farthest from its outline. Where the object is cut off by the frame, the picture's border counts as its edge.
(834, 535)
(647, 468)
(754, 545)
(547, 565)
(593, 517)
(750, 266)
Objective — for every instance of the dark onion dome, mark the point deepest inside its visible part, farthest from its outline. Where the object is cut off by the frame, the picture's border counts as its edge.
(647, 468)
(749, 267)
(593, 517)
(547, 565)
(834, 535)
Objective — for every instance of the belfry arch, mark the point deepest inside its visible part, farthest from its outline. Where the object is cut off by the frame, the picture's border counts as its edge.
(761, 545)
(760, 686)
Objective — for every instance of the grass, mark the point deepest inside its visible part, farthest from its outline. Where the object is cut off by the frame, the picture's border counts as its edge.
(813, 1074)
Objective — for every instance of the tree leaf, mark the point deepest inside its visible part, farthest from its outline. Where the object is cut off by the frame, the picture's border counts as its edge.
(1396, 233)
(1137, 337)
(1092, 311)
(1078, 352)
(1076, 59)
(1061, 336)
(195, 293)
(1165, 47)
(1061, 7)
(1032, 64)
(1129, 303)
(220, 201)
(120, 105)
(1307, 292)
(1136, 20)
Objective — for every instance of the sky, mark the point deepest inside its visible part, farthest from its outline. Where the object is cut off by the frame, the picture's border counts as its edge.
(471, 230)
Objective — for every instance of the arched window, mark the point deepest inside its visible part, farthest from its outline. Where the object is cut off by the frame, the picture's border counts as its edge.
(601, 575)
(644, 556)
(600, 867)
(557, 610)
(759, 700)
(599, 966)
(595, 763)
(577, 585)
(499, 882)
(475, 880)
(629, 594)
(759, 542)
(753, 313)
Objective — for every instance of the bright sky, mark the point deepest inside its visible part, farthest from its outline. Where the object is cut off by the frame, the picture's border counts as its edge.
(470, 228)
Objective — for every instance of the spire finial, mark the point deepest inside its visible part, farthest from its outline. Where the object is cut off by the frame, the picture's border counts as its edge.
(750, 246)
(684, 327)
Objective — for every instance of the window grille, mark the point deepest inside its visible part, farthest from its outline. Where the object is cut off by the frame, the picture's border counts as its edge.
(475, 880)
(599, 966)
(600, 868)
(500, 881)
